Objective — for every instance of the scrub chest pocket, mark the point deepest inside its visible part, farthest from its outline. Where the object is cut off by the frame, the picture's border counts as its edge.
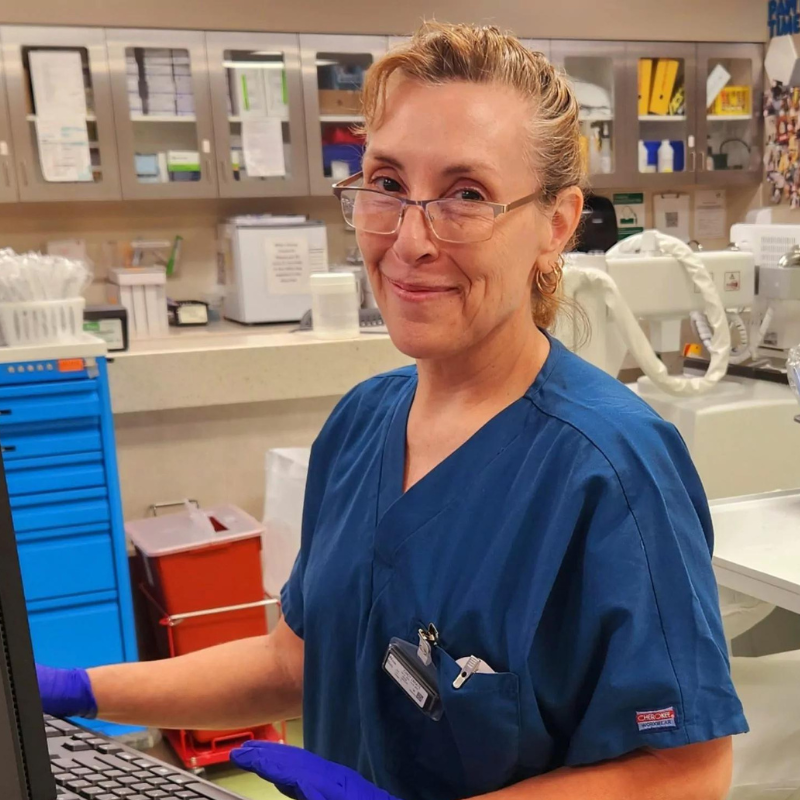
(474, 747)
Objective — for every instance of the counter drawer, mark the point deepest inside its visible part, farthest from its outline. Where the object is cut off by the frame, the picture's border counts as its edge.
(36, 512)
(82, 634)
(55, 473)
(50, 438)
(48, 401)
(67, 562)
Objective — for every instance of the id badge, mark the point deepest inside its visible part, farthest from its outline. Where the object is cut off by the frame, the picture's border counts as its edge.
(416, 678)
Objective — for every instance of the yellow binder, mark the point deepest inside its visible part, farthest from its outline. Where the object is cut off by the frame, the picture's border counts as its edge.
(663, 85)
(645, 82)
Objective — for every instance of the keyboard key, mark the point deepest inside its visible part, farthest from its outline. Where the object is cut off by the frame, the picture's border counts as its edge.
(92, 793)
(141, 787)
(137, 797)
(155, 794)
(130, 757)
(125, 792)
(60, 777)
(117, 773)
(109, 749)
(52, 733)
(109, 785)
(95, 742)
(81, 771)
(95, 777)
(62, 763)
(142, 764)
(85, 735)
(62, 725)
(181, 780)
(162, 771)
(69, 796)
(127, 780)
(77, 784)
(157, 781)
(142, 774)
(186, 795)
(77, 746)
(108, 796)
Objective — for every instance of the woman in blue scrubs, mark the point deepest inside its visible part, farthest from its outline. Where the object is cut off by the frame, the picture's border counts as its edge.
(504, 586)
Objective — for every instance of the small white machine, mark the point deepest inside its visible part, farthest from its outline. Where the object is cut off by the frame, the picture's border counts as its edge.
(267, 262)
(740, 431)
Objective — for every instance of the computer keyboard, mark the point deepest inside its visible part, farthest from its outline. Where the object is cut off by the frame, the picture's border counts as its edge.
(87, 766)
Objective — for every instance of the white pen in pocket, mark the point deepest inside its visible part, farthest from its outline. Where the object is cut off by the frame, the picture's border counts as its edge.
(469, 666)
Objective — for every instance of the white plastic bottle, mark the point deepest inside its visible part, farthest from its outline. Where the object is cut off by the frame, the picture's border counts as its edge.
(642, 157)
(666, 157)
(605, 151)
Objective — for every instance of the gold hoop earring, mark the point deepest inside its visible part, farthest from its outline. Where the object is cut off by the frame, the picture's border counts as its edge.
(547, 283)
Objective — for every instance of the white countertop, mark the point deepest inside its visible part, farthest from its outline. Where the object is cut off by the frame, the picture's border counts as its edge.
(87, 346)
(225, 363)
(757, 546)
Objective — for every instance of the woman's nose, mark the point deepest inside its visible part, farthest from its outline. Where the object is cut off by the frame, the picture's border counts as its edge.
(415, 239)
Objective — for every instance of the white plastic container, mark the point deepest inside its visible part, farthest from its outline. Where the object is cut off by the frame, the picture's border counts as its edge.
(335, 300)
(42, 321)
(142, 291)
(666, 157)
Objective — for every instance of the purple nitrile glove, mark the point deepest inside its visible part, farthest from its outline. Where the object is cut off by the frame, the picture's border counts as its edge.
(66, 692)
(302, 775)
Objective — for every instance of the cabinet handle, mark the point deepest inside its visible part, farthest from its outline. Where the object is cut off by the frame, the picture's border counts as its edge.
(11, 448)
(208, 170)
(23, 171)
(6, 173)
(223, 171)
(694, 161)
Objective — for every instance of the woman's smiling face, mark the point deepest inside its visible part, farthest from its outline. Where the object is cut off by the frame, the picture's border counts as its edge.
(467, 141)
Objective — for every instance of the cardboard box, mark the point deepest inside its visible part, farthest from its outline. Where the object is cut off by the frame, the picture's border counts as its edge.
(339, 101)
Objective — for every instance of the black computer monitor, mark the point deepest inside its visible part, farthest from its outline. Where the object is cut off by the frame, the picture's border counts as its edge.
(24, 761)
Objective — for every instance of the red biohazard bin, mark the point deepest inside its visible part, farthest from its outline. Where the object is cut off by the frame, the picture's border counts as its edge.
(200, 568)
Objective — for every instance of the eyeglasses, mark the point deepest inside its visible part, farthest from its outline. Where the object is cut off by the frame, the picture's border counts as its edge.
(450, 219)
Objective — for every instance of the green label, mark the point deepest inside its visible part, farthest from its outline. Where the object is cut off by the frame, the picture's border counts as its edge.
(637, 198)
(624, 233)
(91, 326)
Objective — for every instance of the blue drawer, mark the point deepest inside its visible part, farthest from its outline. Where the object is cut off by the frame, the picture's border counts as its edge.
(55, 473)
(80, 635)
(50, 438)
(66, 562)
(36, 512)
(48, 401)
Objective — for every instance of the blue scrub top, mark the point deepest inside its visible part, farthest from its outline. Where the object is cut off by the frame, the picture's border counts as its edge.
(567, 544)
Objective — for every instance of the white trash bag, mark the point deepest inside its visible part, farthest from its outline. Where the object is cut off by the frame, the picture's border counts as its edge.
(766, 761)
(286, 473)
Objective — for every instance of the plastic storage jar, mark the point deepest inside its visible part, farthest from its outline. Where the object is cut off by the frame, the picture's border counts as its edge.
(335, 299)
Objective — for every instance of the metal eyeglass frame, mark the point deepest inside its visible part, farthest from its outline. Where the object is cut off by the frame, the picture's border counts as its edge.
(497, 208)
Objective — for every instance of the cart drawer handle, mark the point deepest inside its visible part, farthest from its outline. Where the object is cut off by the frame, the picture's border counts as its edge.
(11, 448)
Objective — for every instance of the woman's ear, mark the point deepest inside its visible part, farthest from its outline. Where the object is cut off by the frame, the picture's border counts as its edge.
(564, 220)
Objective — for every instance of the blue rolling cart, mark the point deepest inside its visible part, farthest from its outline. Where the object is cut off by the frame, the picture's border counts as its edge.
(57, 439)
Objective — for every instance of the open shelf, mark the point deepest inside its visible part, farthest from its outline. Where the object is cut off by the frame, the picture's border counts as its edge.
(163, 118)
(729, 117)
(662, 118)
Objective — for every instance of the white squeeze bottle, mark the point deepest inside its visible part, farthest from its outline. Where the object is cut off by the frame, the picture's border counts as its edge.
(666, 157)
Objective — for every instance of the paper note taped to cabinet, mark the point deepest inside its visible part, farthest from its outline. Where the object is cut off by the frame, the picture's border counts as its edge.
(64, 150)
(262, 142)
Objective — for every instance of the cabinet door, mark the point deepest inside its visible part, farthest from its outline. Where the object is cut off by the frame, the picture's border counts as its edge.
(8, 180)
(597, 72)
(730, 120)
(61, 113)
(159, 80)
(257, 100)
(333, 74)
(661, 93)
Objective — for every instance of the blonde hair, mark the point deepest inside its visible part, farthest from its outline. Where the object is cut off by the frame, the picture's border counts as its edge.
(439, 53)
